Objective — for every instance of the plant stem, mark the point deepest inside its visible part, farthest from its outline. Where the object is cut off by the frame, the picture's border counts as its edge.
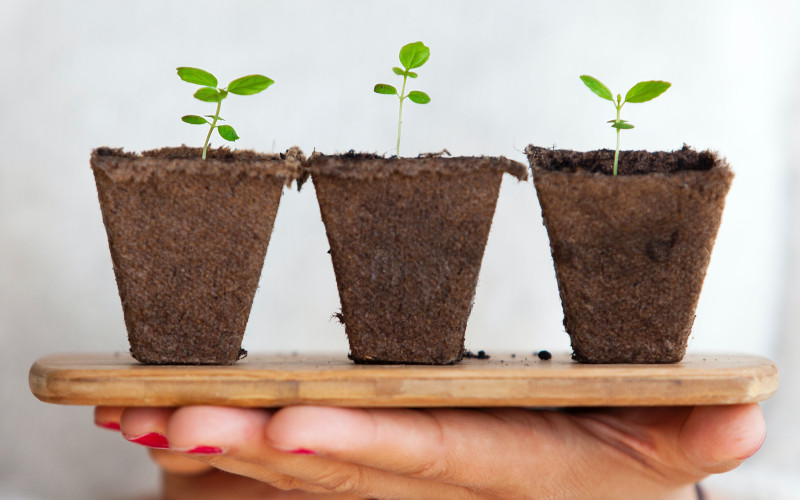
(616, 152)
(213, 124)
(400, 116)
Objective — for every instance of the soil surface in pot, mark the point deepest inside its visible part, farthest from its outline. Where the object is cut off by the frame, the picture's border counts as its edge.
(407, 238)
(630, 252)
(188, 238)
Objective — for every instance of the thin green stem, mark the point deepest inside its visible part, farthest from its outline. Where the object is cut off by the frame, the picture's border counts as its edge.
(213, 124)
(400, 116)
(618, 105)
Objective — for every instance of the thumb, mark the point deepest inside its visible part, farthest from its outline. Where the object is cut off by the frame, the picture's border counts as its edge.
(719, 438)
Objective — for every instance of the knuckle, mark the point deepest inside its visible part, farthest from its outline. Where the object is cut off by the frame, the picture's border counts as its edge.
(286, 483)
(341, 480)
(436, 468)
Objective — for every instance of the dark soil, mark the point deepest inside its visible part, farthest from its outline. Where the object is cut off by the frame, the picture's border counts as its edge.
(480, 355)
(407, 238)
(630, 162)
(188, 239)
(544, 355)
(631, 251)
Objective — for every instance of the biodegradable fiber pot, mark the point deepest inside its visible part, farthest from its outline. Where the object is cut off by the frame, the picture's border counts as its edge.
(630, 251)
(407, 238)
(188, 239)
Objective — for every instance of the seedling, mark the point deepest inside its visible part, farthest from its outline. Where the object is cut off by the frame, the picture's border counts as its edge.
(641, 92)
(412, 55)
(246, 85)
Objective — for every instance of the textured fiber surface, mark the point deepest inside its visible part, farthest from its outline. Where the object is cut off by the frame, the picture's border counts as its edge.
(188, 239)
(631, 251)
(407, 238)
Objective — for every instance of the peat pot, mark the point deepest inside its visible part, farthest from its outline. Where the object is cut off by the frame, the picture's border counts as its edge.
(407, 238)
(630, 251)
(188, 239)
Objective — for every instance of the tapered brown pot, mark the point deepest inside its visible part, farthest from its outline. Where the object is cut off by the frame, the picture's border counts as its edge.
(407, 238)
(188, 239)
(630, 251)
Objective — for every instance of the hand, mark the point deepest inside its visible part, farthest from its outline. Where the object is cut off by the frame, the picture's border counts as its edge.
(188, 478)
(648, 453)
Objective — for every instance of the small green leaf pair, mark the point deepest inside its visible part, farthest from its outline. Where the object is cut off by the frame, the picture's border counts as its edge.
(412, 55)
(416, 96)
(246, 85)
(641, 92)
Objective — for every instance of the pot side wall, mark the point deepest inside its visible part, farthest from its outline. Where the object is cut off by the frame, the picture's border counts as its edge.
(407, 251)
(187, 250)
(630, 254)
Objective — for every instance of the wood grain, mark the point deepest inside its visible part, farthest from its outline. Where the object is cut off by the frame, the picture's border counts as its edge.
(280, 380)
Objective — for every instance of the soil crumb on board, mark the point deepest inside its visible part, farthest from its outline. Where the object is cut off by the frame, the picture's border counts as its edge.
(480, 355)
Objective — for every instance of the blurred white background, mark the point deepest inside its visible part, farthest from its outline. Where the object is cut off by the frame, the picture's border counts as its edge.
(502, 74)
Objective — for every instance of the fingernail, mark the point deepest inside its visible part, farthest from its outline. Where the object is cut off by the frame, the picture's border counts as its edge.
(302, 451)
(205, 450)
(114, 426)
(151, 440)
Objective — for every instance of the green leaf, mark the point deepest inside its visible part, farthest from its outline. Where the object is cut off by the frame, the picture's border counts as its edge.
(194, 120)
(227, 133)
(419, 97)
(597, 87)
(197, 76)
(414, 55)
(645, 91)
(207, 94)
(383, 88)
(221, 118)
(621, 125)
(398, 71)
(249, 85)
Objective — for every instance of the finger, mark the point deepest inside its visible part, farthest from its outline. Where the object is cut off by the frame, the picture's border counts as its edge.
(719, 438)
(493, 451)
(219, 484)
(320, 474)
(108, 417)
(239, 436)
(176, 463)
(694, 441)
(146, 426)
(223, 437)
(212, 430)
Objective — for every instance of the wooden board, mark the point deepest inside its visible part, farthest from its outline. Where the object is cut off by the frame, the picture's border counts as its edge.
(280, 380)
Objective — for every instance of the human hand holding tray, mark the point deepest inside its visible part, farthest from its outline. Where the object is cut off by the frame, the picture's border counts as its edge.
(272, 380)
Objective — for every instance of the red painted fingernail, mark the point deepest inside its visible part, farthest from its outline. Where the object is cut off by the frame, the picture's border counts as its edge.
(205, 450)
(151, 440)
(114, 426)
(303, 451)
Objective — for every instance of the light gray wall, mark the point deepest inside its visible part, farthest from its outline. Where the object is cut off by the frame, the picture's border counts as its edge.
(77, 75)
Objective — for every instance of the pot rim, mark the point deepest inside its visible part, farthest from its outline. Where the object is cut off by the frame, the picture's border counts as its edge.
(354, 165)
